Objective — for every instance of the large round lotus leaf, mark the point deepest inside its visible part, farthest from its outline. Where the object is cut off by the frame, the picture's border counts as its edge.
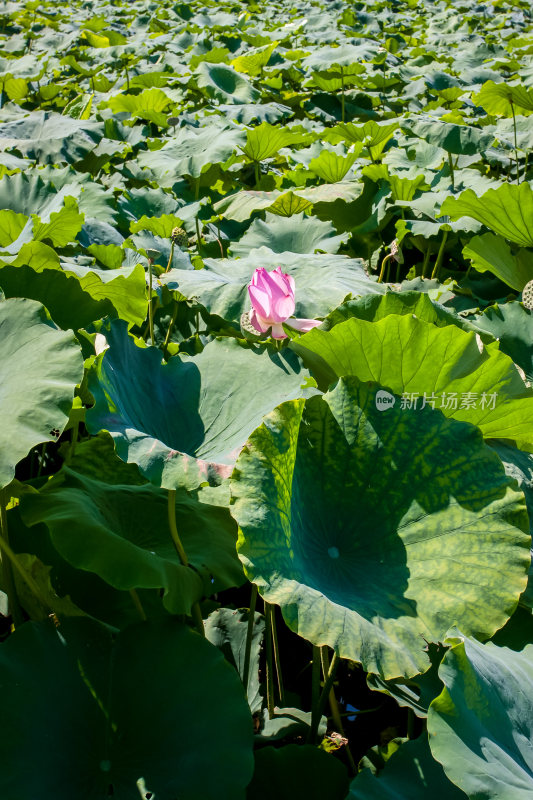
(376, 529)
(322, 281)
(297, 771)
(121, 533)
(481, 726)
(296, 234)
(40, 367)
(87, 716)
(186, 421)
(411, 774)
(442, 367)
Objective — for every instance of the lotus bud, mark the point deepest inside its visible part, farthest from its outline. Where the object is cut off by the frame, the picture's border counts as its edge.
(272, 296)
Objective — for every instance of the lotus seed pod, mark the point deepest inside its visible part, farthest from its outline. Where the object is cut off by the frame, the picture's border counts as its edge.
(179, 237)
(527, 295)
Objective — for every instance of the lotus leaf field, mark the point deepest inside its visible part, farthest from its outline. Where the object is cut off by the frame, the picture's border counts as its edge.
(266, 400)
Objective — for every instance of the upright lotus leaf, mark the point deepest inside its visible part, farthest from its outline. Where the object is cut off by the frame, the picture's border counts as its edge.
(505, 210)
(299, 234)
(185, 421)
(492, 253)
(121, 533)
(512, 324)
(444, 367)
(223, 83)
(332, 167)
(265, 140)
(297, 770)
(40, 367)
(227, 629)
(457, 139)
(503, 98)
(411, 772)
(149, 105)
(192, 150)
(134, 712)
(481, 725)
(322, 281)
(254, 60)
(342, 495)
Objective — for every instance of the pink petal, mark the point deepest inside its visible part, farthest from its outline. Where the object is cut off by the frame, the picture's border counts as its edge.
(259, 323)
(281, 308)
(261, 301)
(278, 332)
(283, 281)
(303, 324)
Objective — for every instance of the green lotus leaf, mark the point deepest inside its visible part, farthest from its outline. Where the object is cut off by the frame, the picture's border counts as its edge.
(149, 104)
(322, 282)
(253, 61)
(332, 167)
(299, 234)
(40, 367)
(336, 499)
(480, 726)
(512, 324)
(457, 139)
(411, 772)
(11, 226)
(505, 210)
(76, 295)
(265, 140)
(50, 138)
(192, 150)
(502, 98)
(129, 714)
(223, 83)
(241, 205)
(492, 253)
(121, 533)
(226, 628)
(427, 365)
(184, 422)
(292, 771)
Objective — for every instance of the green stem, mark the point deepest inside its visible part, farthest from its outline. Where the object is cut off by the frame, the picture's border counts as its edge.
(138, 605)
(249, 636)
(334, 706)
(74, 439)
(171, 256)
(169, 329)
(195, 611)
(515, 141)
(196, 220)
(426, 260)
(315, 696)
(342, 97)
(277, 660)
(383, 263)
(328, 683)
(452, 174)
(7, 570)
(269, 660)
(257, 174)
(150, 308)
(440, 256)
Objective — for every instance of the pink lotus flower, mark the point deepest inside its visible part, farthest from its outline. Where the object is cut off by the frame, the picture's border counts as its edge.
(272, 296)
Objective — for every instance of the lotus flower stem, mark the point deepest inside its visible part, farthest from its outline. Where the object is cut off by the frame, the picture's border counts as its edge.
(342, 95)
(269, 660)
(249, 636)
(440, 256)
(515, 142)
(426, 261)
(452, 174)
(277, 661)
(334, 706)
(12, 560)
(328, 683)
(150, 309)
(315, 695)
(169, 329)
(137, 603)
(195, 610)
(385, 261)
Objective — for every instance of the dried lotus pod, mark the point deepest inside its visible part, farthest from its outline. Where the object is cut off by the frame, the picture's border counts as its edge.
(527, 295)
(179, 236)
